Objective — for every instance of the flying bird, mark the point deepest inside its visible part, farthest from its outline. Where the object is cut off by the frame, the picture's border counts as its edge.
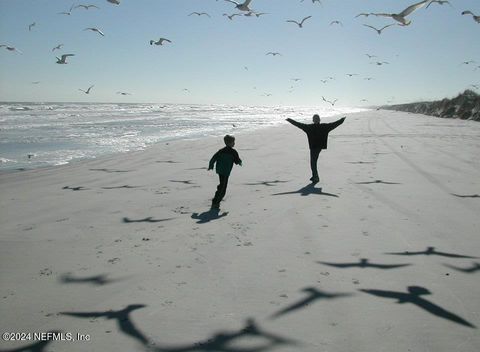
(200, 14)
(336, 22)
(230, 17)
(86, 7)
(400, 17)
(124, 93)
(58, 47)
(273, 53)
(476, 18)
(330, 102)
(116, 2)
(10, 48)
(379, 31)
(241, 6)
(351, 74)
(160, 41)
(67, 13)
(370, 56)
(380, 63)
(63, 60)
(30, 26)
(95, 30)
(314, 1)
(363, 14)
(299, 24)
(86, 91)
(440, 2)
(258, 14)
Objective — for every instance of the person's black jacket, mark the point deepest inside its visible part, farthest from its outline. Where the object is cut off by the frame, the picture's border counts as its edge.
(317, 133)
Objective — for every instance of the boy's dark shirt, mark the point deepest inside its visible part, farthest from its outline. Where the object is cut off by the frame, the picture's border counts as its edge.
(317, 133)
(224, 159)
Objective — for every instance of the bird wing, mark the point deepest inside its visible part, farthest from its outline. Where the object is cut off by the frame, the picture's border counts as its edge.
(412, 8)
(367, 25)
(292, 21)
(382, 14)
(233, 2)
(388, 25)
(468, 12)
(306, 18)
(247, 2)
(64, 56)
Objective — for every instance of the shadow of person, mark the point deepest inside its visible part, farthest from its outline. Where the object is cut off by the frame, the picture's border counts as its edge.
(122, 317)
(35, 347)
(414, 297)
(98, 280)
(229, 341)
(207, 216)
(307, 190)
(313, 295)
(364, 263)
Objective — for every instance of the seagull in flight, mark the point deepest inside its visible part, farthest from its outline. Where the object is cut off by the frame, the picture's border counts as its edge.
(67, 13)
(230, 17)
(58, 47)
(336, 22)
(379, 31)
(116, 2)
(200, 14)
(160, 41)
(370, 56)
(63, 60)
(241, 6)
(314, 1)
(330, 102)
(258, 14)
(468, 12)
(363, 14)
(10, 48)
(95, 30)
(440, 2)
(379, 63)
(86, 7)
(351, 74)
(30, 26)
(124, 93)
(300, 24)
(400, 17)
(467, 62)
(273, 53)
(86, 91)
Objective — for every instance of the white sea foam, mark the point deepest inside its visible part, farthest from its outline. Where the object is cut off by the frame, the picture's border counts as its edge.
(57, 133)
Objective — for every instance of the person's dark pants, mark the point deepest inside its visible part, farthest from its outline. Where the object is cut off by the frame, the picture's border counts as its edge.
(314, 153)
(221, 189)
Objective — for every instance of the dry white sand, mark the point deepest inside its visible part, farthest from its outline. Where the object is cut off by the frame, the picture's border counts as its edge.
(125, 249)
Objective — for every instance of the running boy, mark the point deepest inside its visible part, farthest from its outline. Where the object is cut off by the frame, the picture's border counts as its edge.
(224, 158)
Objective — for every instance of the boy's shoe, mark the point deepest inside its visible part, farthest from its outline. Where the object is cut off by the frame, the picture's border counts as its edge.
(215, 205)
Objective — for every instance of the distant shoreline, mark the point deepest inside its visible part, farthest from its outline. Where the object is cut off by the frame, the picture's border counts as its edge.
(465, 106)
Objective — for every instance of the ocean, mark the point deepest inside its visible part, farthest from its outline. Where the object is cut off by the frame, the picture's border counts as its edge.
(35, 135)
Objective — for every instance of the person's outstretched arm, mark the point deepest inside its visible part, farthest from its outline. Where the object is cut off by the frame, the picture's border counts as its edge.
(297, 124)
(337, 123)
(212, 161)
(236, 159)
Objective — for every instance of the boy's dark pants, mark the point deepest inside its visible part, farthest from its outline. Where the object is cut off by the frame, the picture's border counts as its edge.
(221, 189)
(313, 161)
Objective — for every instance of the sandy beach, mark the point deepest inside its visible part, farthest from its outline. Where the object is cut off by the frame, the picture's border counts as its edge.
(382, 255)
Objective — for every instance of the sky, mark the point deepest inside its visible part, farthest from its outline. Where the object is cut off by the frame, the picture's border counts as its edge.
(214, 60)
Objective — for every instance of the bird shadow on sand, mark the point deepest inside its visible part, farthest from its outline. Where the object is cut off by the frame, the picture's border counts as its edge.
(207, 216)
(122, 318)
(79, 188)
(364, 263)
(110, 170)
(313, 295)
(471, 270)
(432, 251)
(265, 183)
(413, 296)
(377, 181)
(96, 280)
(39, 346)
(466, 195)
(119, 187)
(307, 190)
(252, 336)
(148, 219)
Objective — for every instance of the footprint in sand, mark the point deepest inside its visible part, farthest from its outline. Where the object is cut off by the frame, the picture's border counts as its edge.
(46, 272)
(113, 260)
